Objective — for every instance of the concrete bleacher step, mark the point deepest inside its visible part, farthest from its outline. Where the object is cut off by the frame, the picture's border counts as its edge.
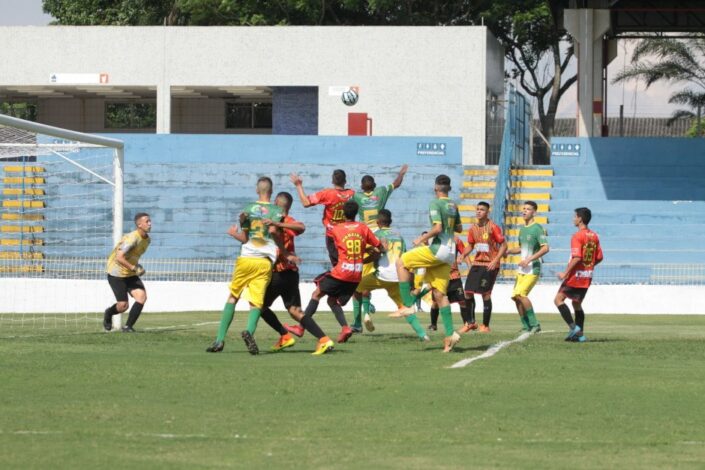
(10, 255)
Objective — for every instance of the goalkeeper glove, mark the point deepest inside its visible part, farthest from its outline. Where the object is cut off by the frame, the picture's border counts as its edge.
(139, 270)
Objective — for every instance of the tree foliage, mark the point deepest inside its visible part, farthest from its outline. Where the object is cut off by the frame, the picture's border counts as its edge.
(675, 61)
(529, 30)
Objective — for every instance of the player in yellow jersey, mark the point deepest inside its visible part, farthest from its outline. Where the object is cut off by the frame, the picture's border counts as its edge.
(124, 273)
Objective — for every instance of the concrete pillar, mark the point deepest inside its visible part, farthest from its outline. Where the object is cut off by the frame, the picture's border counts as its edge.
(163, 109)
(588, 27)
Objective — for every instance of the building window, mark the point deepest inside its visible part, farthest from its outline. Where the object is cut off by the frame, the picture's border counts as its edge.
(248, 115)
(19, 109)
(126, 115)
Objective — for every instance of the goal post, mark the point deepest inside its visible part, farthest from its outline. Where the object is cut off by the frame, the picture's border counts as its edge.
(62, 212)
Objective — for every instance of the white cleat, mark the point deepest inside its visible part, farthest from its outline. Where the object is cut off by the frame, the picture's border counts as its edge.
(368, 323)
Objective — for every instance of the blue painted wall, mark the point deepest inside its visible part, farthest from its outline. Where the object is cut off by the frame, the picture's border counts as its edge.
(647, 196)
(295, 110)
(195, 186)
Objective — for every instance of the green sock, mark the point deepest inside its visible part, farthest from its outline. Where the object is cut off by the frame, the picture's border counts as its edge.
(357, 316)
(365, 305)
(531, 318)
(422, 293)
(447, 320)
(525, 322)
(405, 291)
(413, 320)
(225, 320)
(252, 319)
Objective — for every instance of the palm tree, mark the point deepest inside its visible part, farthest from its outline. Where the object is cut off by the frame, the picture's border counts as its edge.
(676, 61)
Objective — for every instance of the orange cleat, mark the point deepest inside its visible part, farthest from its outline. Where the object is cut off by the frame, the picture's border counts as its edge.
(345, 334)
(285, 341)
(297, 330)
(484, 329)
(468, 327)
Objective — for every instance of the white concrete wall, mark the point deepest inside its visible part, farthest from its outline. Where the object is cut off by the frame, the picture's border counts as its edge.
(426, 81)
(58, 296)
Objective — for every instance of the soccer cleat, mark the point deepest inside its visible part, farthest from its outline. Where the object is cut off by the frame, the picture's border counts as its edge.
(356, 329)
(297, 330)
(368, 323)
(535, 329)
(484, 329)
(285, 341)
(468, 327)
(323, 347)
(425, 338)
(250, 342)
(217, 346)
(373, 309)
(107, 320)
(449, 342)
(128, 329)
(580, 339)
(403, 312)
(345, 334)
(573, 333)
(432, 327)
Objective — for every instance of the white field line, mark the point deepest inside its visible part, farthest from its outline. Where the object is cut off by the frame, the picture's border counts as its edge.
(494, 349)
(181, 326)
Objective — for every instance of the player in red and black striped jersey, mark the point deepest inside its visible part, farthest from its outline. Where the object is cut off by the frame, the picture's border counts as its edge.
(353, 240)
(585, 254)
(285, 276)
(332, 200)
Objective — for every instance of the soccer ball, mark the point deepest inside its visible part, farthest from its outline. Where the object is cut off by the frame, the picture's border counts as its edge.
(349, 97)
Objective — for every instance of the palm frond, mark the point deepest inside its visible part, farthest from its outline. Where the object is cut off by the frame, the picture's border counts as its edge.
(679, 114)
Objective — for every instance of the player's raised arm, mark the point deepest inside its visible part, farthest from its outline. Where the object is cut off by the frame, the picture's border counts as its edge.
(299, 184)
(400, 176)
(239, 235)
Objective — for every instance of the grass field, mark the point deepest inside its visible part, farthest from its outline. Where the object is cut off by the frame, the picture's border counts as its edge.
(632, 397)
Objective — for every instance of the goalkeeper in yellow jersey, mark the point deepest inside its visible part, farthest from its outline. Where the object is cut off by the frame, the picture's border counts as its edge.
(124, 273)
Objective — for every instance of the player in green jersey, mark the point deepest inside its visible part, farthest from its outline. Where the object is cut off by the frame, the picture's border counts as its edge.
(437, 258)
(532, 246)
(371, 199)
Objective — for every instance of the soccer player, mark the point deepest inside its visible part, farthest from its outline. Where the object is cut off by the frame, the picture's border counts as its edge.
(436, 258)
(285, 278)
(352, 240)
(385, 276)
(532, 246)
(486, 238)
(585, 254)
(371, 200)
(124, 273)
(332, 200)
(253, 268)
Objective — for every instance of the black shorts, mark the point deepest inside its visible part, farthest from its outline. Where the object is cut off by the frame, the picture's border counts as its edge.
(455, 291)
(122, 285)
(480, 280)
(332, 250)
(573, 293)
(336, 288)
(284, 284)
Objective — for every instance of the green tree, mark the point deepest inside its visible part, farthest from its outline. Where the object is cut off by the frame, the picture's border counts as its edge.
(530, 30)
(675, 61)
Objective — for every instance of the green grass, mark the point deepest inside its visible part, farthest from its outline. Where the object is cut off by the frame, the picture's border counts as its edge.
(630, 398)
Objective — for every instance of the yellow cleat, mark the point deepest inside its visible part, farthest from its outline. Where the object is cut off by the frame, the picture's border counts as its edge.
(285, 341)
(323, 347)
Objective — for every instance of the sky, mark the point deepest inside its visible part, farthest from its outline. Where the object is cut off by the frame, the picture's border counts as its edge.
(637, 100)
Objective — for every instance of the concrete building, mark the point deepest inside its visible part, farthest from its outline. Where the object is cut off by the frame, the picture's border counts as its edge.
(429, 81)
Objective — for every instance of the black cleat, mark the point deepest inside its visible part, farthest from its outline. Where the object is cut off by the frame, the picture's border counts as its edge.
(128, 329)
(432, 328)
(217, 346)
(107, 320)
(250, 342)
(356, 329)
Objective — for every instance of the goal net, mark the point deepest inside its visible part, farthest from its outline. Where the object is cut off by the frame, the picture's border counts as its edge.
(61, 214)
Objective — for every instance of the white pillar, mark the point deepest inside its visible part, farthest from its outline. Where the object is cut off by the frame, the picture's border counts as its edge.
(163, 108)
(588, 26)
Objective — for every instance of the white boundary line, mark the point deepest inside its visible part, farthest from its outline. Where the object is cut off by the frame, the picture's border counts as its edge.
(494, 349)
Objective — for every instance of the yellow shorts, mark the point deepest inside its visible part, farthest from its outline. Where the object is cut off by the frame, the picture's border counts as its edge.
(372, 282)
(253, 273)
(437, 272)
(524, 284)
(367, 269)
